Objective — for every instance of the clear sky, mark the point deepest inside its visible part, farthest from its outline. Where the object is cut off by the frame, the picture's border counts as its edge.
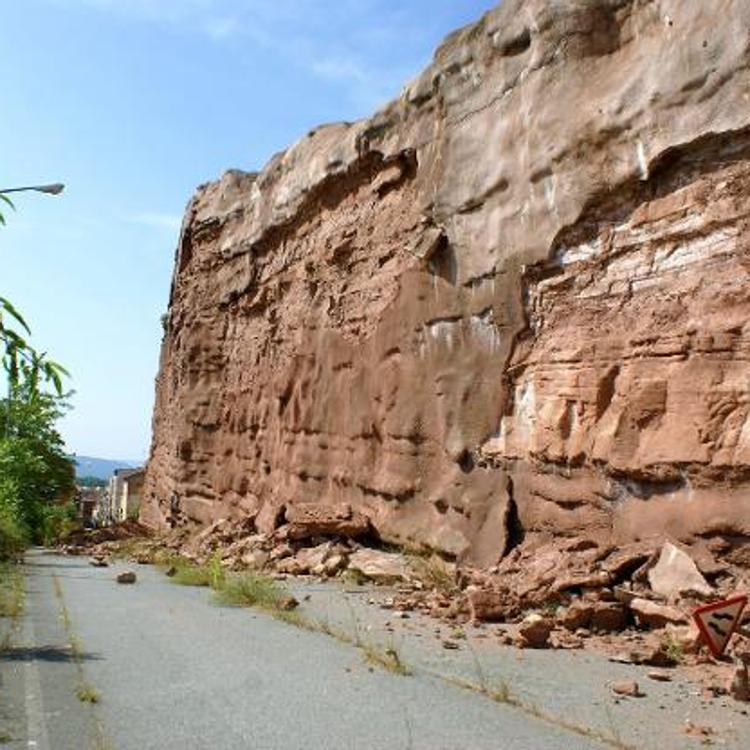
(133, 103)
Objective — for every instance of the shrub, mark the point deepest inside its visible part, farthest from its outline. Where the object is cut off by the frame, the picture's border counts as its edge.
(56, 523)
(13, 537)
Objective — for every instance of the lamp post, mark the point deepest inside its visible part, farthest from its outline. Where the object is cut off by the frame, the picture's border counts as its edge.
(54, 189)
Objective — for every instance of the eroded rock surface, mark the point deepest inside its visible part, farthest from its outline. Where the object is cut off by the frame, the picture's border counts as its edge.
(512, 305)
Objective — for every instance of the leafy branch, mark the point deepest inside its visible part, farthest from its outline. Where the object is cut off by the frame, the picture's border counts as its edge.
(24, 366)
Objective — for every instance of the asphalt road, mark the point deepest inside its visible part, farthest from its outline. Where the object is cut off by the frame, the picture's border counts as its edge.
(173, 670)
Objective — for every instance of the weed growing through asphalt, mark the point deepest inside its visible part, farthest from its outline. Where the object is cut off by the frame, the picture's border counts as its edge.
(211, 575)
(190, 574)
(387, 658)
(500, 690)
(250, 590)
(263, 592)
(293, 617)
(325, 627)
(237, 589)
(87, 693)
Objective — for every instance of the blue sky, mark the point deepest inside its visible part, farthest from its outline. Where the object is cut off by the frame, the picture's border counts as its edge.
(133, 103)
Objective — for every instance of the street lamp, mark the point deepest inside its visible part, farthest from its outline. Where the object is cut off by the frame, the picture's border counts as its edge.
(54, 189)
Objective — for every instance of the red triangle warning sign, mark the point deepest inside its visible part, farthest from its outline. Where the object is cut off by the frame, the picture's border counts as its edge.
(718, 621)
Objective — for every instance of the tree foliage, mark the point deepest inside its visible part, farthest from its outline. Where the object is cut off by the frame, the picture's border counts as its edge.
(37, 479)
(24, 366)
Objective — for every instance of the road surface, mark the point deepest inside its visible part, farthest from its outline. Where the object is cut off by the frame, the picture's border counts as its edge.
(170, 670)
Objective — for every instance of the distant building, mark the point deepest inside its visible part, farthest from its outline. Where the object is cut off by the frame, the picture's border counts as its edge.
(103, 511)
(125, 491)
(89, 501)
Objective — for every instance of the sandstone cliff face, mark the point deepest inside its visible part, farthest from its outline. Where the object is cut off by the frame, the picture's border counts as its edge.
(512, 304)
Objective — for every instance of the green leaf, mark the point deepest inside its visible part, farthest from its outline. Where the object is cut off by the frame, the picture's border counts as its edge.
(59, 368)
(6, 305)
(12, 339)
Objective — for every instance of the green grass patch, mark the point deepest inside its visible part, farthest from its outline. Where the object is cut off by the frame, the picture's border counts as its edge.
(250, 590)
(237, 589)
(211, 574)
(191, 575)
(11, 591)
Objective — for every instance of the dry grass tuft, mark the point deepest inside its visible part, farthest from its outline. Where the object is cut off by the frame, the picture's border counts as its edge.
(388, 658)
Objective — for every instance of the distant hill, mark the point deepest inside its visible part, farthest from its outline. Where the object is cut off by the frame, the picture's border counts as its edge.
(101, 468)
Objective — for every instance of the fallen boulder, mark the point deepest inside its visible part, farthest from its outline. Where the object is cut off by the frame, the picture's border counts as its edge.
(256, 559)
(269, 518)
(625, 561)
(488, 605)
(317, 519)
(535, 630)
(290, 566)
(312, 557)
(280, 551)
(686, 637)
(577, 615)
(675, 574)
(333, 565)
(127, 576)
(650, 614)
(608, 617)
(380, 566)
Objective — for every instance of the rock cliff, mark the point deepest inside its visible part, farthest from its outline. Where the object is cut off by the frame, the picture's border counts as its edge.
(513, 304)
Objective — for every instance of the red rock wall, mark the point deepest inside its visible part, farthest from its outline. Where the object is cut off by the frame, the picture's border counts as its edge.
(513, 301)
